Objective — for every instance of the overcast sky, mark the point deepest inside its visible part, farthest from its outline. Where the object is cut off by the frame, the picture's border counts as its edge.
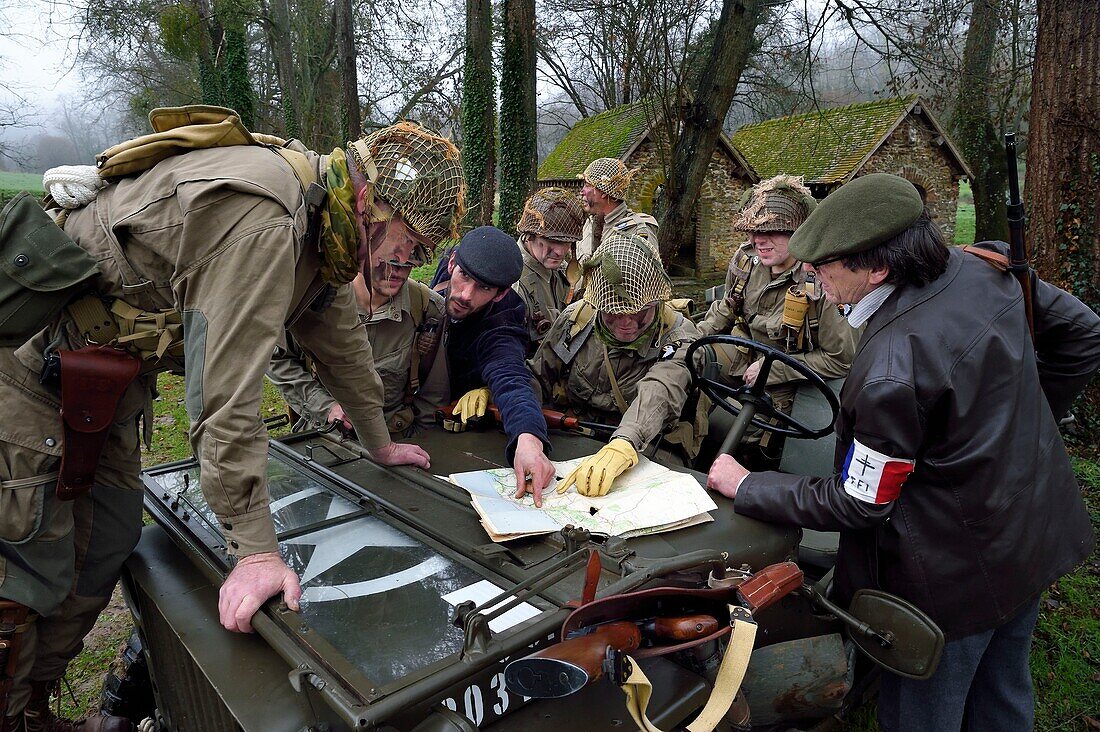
(36, 53)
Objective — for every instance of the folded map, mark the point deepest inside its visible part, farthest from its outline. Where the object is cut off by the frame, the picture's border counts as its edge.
(646, 499)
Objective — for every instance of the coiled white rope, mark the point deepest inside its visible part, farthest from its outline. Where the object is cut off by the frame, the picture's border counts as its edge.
(73, 186)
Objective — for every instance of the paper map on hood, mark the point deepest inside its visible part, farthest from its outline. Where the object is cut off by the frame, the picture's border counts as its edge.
(646, 499)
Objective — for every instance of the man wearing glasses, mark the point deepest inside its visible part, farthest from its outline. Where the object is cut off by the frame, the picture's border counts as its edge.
(403, 319)
(952, 487)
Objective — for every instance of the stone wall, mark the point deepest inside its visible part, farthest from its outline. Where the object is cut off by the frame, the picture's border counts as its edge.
(715, 239)
(912, 152)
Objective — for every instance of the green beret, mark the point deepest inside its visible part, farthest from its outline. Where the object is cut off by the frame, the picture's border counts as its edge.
(857, 216)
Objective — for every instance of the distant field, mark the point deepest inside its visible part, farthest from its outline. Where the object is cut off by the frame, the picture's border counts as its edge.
(21, 182)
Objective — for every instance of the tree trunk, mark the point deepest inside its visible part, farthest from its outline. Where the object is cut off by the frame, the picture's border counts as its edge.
(1063, 163)
(976, 130)
(282, 52)
(479, 113)
(349, 78)
(518, 116)
(702, 122)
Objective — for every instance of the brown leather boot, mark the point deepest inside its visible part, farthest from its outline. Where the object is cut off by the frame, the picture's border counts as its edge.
(12, 724)
(38, 717)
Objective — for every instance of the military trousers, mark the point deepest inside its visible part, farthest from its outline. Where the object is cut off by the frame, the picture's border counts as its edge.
(60, 558)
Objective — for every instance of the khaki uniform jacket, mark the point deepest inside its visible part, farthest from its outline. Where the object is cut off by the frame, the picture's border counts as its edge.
(571, 374)
(828, 348)
(392, 332)
(620, 219)
(219, 234)
(543, 293)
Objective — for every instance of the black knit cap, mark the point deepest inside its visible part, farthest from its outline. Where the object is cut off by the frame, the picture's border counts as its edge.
(490, 256)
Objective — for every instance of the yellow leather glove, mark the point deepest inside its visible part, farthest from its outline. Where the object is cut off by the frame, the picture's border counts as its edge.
(473, 404)
(594, 476)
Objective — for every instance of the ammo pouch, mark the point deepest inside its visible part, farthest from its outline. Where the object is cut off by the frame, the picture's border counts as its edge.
(41, 270)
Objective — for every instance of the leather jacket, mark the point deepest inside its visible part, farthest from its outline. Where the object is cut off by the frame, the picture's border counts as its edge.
(946, 376)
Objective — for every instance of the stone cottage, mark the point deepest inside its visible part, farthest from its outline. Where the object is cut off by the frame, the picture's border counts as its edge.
(632, 133)
(830, 147)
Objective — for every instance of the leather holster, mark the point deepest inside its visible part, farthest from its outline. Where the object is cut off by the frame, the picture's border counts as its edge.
(93, 380)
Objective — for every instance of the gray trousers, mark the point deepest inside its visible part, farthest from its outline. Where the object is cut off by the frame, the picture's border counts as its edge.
(983, 679)
(60, 558)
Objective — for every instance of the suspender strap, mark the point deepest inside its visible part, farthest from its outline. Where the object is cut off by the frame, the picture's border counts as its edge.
(620, 402)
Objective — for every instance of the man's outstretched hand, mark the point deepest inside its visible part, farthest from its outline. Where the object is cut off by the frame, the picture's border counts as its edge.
(256, 578)
(534, 471)
(401, 453)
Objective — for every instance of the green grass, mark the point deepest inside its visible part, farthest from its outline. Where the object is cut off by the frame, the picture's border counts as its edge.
(170, 421)
(1065, 655)
(964, 216)
(21, 182)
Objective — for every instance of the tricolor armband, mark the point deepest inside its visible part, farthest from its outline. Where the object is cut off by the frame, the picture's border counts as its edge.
(872, 477)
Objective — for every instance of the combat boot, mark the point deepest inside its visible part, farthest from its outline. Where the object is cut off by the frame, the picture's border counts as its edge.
(38, 717)
(12, 724)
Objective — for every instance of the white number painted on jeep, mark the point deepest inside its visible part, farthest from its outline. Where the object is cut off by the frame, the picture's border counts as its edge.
(497, 684)
(475, 706)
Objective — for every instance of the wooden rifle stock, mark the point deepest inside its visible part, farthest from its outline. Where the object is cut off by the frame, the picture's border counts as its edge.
(569, 666)
(1017, 260)
(554, 420)
(770, 585)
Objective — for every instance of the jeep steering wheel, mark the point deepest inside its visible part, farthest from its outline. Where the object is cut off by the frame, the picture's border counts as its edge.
(757, 407)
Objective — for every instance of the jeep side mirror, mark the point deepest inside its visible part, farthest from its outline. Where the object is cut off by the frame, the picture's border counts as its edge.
(890, 631)
(913, 642)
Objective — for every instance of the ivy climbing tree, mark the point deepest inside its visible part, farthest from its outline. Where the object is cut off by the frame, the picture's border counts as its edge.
(976, 127)
(236, 84)
(518, 115)
(479, 114)
(215, 38)
(1062, 186)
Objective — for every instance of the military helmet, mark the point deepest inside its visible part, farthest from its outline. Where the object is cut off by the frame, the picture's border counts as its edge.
(781, 203)
(418, 173)
(554, 213)
(624, 275)
(609, 176)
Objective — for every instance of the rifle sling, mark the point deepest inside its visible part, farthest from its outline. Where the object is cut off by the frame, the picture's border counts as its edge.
(735, 662)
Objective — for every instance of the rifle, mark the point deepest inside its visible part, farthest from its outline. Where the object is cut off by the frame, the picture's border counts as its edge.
(572, 664)
(1017, 260)
(588, 651)
(554, 420)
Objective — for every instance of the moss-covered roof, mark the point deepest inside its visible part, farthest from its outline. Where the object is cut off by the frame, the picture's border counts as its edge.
(823, 146)
(609, 134)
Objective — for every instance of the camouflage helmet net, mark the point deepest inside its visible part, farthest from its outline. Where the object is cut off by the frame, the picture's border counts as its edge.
(554, 213)
(418, 173)
(623, 276)
(781, 203)
(609, 176)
